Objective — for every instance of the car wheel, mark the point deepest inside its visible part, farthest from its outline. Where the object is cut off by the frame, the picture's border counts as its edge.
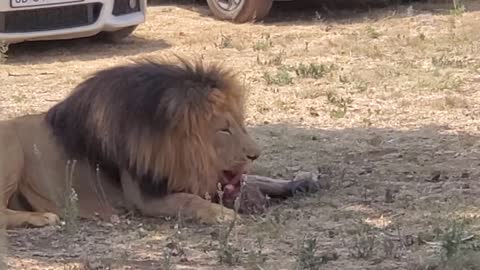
(116, 36)
(240, 11)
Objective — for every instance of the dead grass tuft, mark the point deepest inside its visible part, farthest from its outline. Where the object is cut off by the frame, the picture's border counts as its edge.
(275, 59)
(459, 248)
(70, 208)
(3, 52)
(308, 257)
(228, 253)
(340, 104)
(225, 41)
(362, 242)
(264, 43)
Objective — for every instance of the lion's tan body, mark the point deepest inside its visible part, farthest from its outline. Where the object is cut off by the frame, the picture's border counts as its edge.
(200, 135)
(33, 165)
(152, 137)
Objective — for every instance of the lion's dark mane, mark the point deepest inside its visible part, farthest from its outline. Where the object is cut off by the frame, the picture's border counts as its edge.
(129, 100)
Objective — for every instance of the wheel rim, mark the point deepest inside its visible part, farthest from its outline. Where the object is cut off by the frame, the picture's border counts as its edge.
(230, 5)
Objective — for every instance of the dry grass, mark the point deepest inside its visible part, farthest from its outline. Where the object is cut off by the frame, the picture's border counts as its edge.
(3, 52)
(382, 104)
(70, 199)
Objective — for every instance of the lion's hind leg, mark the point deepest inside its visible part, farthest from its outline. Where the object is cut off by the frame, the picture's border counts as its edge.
(11, 173)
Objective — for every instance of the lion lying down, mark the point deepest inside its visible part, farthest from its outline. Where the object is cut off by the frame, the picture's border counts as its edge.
(150, 136)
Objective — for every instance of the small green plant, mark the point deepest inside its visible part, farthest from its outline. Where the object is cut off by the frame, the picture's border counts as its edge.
(343, 79)
(264, 43)
(360, 85)
(19, 98)
(451, 82)
(312, 70)
(458, 248)
(273, 223)
(363, 242)
(340, 103)
(274, 60)
(453, 239)
(422, 36)
(307, 257)
(225, 42)
(310, 93)
(167, 260)
(281, 77)
(445, 61)
(373, 33)
(256, 257)
(277, 59)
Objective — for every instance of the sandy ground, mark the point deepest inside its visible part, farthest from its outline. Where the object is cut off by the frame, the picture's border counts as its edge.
(387, 114)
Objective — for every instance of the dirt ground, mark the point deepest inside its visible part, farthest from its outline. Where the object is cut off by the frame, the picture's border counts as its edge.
(381, 104)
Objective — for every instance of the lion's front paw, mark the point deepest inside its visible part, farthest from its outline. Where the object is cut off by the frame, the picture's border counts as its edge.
(216, 214)
(44, 219)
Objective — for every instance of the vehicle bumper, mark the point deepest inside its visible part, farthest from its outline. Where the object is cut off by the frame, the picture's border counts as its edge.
(100, 18)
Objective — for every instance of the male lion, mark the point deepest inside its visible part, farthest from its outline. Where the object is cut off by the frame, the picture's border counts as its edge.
(148, 136)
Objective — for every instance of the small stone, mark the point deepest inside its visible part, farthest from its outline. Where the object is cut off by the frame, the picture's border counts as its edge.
(389, 196)
(293, 168)
(435, 177)
(115, 219)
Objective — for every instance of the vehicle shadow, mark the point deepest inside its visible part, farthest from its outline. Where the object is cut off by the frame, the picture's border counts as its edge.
(82, 49)
(350, 11)
(306, 12)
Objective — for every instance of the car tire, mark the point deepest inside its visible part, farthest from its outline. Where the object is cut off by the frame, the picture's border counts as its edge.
(117, 36)
(244, 11)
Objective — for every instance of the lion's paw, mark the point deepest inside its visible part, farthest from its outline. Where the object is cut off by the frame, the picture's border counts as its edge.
(44, 219)
(217, 214)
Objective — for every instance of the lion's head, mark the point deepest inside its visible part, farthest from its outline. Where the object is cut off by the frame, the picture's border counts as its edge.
(174, 127)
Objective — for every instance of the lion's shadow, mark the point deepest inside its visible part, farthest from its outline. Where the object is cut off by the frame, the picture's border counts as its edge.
(409, 162)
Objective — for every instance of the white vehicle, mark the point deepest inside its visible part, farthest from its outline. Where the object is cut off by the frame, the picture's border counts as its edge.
(29, 20)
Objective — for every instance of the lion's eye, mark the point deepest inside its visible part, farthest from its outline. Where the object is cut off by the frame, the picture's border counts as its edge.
(226, 130)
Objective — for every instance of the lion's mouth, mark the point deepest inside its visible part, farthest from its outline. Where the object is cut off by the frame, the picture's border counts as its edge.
(231, 183)
(231, 179)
